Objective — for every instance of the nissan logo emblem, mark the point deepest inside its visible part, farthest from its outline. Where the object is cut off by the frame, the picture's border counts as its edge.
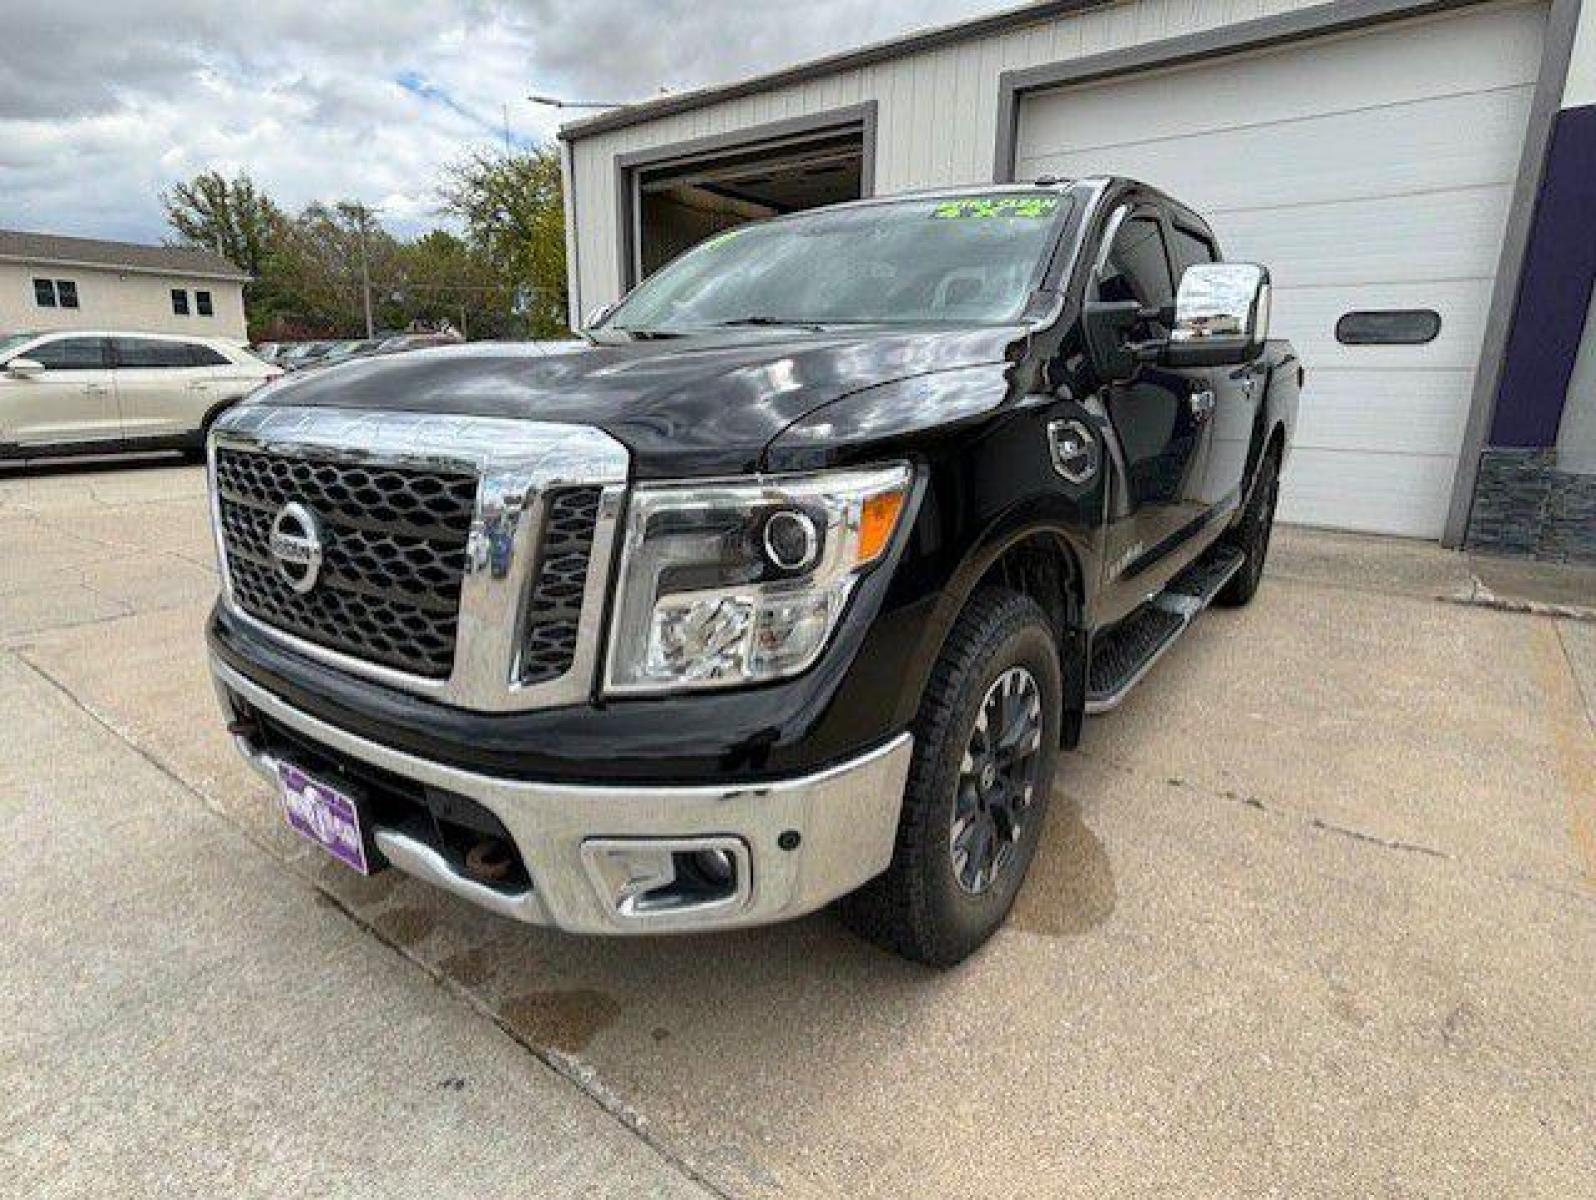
(296, 546)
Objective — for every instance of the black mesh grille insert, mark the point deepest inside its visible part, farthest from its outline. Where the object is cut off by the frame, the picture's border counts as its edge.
(393, 554)
(555, 605)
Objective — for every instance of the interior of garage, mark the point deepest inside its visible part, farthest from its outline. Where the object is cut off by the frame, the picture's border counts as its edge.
(681, 203)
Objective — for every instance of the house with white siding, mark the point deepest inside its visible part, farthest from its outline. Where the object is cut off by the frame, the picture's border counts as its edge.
(49, 282)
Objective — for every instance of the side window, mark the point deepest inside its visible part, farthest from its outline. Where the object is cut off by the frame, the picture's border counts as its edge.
(179, 302)
(66, 292)
(148, 353)
(70, 354)
(1136, 267)
(202, 303)
(44, 293)
(1188, 249)
(204, 356)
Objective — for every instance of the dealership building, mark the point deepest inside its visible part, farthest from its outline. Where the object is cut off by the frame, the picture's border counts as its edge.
(1430, 159)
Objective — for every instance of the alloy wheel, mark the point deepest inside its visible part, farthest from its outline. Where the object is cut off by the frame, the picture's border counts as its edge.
(997, 781)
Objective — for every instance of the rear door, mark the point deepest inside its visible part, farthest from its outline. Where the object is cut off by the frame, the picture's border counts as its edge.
(72, 401)
(161, 392)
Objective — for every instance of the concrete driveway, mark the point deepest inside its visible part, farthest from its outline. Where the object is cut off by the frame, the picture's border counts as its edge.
(1315, 914)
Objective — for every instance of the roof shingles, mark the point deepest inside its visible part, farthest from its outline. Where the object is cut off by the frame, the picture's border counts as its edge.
(176, 260)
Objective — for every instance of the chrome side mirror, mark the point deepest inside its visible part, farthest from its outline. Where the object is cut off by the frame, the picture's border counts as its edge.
(1221, 315)
(24, 368)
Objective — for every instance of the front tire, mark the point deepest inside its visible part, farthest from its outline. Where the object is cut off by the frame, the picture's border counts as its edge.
(986, 744)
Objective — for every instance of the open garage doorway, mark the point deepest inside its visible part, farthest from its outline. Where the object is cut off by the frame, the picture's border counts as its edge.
(676, 196)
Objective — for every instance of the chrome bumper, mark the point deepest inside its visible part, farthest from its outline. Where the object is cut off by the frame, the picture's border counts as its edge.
(845, 820)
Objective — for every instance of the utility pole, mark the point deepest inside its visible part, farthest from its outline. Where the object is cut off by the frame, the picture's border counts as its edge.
(365, 272)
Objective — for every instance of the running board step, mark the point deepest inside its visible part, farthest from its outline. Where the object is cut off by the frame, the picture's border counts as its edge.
(1122, 657)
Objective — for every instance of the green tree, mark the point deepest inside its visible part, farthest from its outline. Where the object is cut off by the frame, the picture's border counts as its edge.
(317, 270)
(514, 214)
(235, 219)
(231, 217)
(444, 278)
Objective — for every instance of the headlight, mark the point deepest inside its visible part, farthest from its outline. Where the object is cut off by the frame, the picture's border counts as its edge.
(731, 583)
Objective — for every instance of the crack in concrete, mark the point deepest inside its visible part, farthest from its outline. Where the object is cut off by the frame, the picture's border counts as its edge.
(22, 639)
(582, 1076)
(1320, 824)
(1589, 694)
(1481, 596)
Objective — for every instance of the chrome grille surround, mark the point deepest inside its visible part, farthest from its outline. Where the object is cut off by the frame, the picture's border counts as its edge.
(519, 465)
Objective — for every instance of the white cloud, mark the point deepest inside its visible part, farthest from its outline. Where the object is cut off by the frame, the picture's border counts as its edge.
(102, 107)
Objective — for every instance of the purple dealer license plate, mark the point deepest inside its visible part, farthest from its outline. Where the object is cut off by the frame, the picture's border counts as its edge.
(324, 815)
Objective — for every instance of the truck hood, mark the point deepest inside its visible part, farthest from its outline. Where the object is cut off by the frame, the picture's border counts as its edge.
(700, 405)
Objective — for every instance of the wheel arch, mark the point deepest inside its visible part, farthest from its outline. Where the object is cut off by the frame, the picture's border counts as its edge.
(1039, 560)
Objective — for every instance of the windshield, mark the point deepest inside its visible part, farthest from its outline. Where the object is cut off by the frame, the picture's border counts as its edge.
(969, 259)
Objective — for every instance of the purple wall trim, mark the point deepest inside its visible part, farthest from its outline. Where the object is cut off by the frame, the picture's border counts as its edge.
(1554, 290)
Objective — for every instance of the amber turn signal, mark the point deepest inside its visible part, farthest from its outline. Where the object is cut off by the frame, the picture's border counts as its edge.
(877, 519)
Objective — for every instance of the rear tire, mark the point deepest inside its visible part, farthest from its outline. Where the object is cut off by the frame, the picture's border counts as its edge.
(974, 805)
(1251, 535)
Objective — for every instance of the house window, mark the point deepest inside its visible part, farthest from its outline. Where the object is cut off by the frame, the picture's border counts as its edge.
(202, 303)
(179, 302)
(55, 293)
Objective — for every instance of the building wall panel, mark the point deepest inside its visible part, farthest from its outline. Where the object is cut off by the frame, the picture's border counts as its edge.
(937, 116)
(113, 300)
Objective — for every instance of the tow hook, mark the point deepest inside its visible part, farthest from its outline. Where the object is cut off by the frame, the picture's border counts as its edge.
(489, 861)
(246, 728)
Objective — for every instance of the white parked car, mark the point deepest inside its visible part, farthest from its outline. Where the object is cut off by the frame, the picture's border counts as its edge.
(90, 391)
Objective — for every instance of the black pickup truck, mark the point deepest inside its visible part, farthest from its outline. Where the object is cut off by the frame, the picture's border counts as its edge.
(784, 587)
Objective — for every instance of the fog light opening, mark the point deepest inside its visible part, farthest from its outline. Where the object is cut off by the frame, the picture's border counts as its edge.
(643, 879)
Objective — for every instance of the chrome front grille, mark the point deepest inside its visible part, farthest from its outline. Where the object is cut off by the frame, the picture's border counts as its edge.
(554, 609)
(461, 558)
(394, 545)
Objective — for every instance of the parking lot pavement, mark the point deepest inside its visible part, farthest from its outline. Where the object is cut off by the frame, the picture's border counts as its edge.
(1315, 913)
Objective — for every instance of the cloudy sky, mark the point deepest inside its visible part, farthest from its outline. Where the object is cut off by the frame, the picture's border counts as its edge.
(105, 102)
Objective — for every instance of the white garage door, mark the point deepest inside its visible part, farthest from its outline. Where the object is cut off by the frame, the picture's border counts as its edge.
(1368, 171)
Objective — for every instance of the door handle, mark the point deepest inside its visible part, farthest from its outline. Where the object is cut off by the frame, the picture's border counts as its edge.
(95, 389)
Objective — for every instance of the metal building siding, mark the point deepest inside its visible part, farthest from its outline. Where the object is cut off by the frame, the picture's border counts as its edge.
(1370, 171)
(937, 117)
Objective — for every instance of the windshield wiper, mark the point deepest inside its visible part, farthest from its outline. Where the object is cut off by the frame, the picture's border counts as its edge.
(642, 334)
(735, 322)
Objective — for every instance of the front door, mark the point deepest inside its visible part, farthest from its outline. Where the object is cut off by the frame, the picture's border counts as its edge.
(72, 401)
(1161, 420)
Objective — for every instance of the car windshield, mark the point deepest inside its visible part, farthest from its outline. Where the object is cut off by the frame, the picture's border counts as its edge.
(964, 259)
